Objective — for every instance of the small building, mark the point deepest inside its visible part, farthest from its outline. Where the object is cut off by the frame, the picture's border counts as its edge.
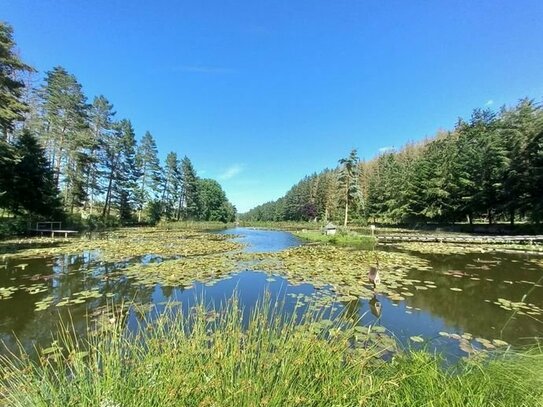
(330, 229)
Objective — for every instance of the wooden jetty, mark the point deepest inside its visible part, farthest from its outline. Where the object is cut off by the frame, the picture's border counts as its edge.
(469, 239)
(51, 228)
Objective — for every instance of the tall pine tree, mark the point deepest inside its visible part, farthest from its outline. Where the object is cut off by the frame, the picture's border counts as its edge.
(148, 166)
(12, 107)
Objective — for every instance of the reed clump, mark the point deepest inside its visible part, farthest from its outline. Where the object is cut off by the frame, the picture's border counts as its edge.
(229, 357)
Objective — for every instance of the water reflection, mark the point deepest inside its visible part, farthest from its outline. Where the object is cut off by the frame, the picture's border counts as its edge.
(479, 281)
(259, 240)
(375, 307)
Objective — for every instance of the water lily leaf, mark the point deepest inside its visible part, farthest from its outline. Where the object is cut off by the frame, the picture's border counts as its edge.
(499, 342)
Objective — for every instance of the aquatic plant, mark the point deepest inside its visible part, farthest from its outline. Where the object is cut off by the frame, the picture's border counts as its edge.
(124, 244)
(206, 356)
(342, 239)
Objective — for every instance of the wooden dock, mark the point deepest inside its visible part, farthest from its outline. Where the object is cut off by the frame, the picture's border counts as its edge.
(468, 239)
(52, 228)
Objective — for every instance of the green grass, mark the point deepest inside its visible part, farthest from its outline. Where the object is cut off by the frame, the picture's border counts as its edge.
(210, 359)
(201, 226)
(342, 239)
(281, 225)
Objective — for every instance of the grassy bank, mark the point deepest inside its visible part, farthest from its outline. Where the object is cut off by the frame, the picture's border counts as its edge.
(202, 226)
(205, 358)
(282, 225)
(343, 239)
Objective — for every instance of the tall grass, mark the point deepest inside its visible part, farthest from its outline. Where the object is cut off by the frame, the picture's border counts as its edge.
(205, 358)
(341, 238)
(194, 225)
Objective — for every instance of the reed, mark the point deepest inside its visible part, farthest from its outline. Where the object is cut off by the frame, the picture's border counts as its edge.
(225, 357)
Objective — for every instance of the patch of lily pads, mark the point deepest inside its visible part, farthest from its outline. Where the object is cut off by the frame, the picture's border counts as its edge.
(182, 271)
(459, 248)
(520, 307)
(342, 269)
(126, 244)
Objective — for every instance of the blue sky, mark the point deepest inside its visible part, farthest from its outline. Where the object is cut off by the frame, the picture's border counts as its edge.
(260, 93)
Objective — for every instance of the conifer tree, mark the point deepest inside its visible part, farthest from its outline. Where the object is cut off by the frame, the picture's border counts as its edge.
(187, 207)
(101, 121)
(118, 164)
(348, 177)
(148, 167)
(12, 107)
(171, 185)
(33, 189)
(67, 137)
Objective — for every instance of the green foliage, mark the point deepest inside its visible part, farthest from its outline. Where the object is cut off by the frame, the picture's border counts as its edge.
(489, 167)
(30, 187)
(148, 167)
(213, 205)
(125, 209)
(153, 211)
(188, 200)
(65, 120)
(92, 159)
(8, 159)
(344, 239)
(118, 163)
(348, 181)
(12, 226)
(12, 107)
(171, 186)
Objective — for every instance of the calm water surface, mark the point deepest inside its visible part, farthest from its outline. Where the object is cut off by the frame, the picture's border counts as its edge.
(483, 278)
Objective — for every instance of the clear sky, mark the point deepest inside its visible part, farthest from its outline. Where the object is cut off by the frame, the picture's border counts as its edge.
(260, 93)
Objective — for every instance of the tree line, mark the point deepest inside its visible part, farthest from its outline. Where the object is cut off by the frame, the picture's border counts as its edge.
(60, 154)
(489, 167)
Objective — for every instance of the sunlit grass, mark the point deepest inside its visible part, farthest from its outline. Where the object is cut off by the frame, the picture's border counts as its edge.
(194, 225)
(208, 358)
(342, 239)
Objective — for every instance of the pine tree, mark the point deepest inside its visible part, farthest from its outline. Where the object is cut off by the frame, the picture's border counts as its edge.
(118, 165)
(33, 188)
(8, 160)
(12, 107)
(148, 167)
(187, 207)
(534, 158)
(348, 177)
(517, 126)
(101, 121)
(171, 185)
(67, 137)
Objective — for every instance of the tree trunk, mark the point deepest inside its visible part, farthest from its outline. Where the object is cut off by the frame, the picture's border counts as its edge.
(108, 194)
(346, 204)
(142, 195)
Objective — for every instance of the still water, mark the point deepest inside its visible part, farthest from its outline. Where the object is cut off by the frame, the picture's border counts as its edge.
(478, 280)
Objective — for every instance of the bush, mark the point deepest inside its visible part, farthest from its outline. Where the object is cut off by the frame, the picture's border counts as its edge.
(13, 226)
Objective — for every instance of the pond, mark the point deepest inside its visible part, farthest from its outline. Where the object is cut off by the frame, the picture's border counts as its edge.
(453, 304)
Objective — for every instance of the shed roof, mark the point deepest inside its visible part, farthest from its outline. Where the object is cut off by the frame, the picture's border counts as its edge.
(330, 226)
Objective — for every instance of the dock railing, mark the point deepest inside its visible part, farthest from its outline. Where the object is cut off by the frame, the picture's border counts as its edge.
(49, 225)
